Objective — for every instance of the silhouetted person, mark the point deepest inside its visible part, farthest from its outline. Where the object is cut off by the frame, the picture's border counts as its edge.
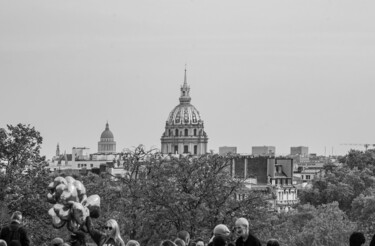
(273, 242)
(245, 238)
(15, 231)
(357, 239)
(185, 236)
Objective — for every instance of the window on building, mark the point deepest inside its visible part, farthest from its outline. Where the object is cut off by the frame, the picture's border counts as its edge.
(176, 132)
(170, 132)
(195, 132)
(195, 149)
(91, 165)
(176, 149)
(307, 176)
(186, 149)
(186, 132)
(78, 165)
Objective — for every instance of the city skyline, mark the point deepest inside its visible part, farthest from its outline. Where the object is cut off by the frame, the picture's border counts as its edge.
(271, 73)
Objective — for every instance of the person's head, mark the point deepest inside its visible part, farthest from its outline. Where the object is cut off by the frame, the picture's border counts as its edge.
(219, 241)
(78, 238)
(167, 243)
(132, 243)
(57, 242)
(221, 230)
(273, 242)
(111, 228)
(16, 217)
(184, 235)
(3, 243)
(242, 227)
(199, 242)
(15, 243)
(179, 242)
(357, 239)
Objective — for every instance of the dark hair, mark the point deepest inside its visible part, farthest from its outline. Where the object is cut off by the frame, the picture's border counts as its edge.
(184, 235)
(218, 241)
(357, 239)
(15, 243)
(167, 243)
(372, 243)
(273, 242)
(179, 242)
(77, 238)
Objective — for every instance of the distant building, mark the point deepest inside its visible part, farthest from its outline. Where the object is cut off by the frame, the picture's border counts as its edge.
(300, 150)
(226, 150)
(273, 176)
(81, 161)
(107, 143)
(184, 130)
(263, 151)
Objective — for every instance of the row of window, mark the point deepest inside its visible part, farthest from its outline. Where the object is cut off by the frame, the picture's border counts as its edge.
(106, 147)
(283, 181)
(179, 133)
(186, 149)
(307, 177)
(84, 165)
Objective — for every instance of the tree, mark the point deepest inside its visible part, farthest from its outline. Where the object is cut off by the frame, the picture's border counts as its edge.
(312, 226)
(328, 226)
(161, 195)
(341, 184)
(24, 178)
(359, 159)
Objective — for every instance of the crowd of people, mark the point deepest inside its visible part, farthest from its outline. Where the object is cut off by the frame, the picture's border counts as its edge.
(15, 235)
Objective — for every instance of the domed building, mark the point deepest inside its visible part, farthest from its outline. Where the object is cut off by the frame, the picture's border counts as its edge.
(184, 130)
(106, 143)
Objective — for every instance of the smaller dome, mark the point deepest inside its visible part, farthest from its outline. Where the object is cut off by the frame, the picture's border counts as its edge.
(107, 133)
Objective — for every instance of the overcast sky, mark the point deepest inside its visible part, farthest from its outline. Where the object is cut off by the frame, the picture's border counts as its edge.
(264, 72)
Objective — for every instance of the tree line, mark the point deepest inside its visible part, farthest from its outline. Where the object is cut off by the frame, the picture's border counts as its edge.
(161, 195)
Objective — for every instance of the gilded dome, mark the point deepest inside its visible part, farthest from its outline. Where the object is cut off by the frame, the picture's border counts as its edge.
(107, 133)
(184, 114)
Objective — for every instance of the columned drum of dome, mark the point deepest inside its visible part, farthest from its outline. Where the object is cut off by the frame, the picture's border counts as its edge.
(106, 143)
(184, 129)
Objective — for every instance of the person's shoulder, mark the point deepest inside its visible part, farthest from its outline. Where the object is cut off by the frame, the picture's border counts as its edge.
(253, 239)
(5, 229)
(22, 229)
(238, 241)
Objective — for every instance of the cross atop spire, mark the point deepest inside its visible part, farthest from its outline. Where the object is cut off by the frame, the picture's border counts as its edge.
(185, 89)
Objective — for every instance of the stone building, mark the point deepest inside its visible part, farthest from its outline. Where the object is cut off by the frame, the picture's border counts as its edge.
(107, 143)
(269, 175)
(184, 130)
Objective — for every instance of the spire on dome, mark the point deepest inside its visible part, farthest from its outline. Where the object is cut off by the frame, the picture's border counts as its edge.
(185, 80)
(58, 149)
(107, 126)
(185, 89)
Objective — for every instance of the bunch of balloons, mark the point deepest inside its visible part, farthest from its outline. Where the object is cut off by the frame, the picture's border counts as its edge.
(71, 204)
